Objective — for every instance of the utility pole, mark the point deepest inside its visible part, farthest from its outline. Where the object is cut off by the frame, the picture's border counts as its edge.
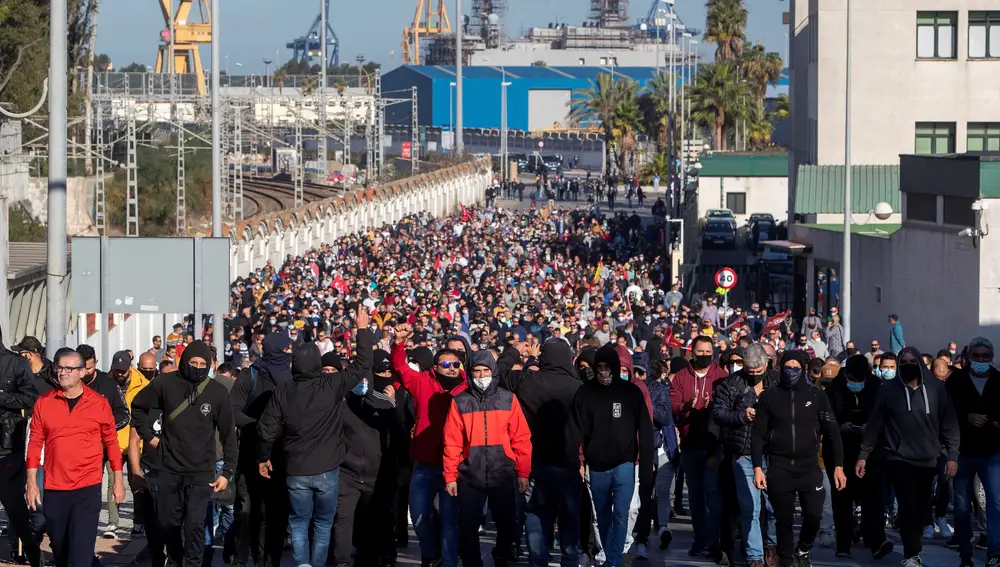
(321, 147)
(100, 201)
(55, 302)
(459, 141)
(218, 333)
(845, 268)
(414, 136)
(361, 61)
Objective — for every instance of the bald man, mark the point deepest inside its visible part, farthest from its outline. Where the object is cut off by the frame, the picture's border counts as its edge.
(147, 365)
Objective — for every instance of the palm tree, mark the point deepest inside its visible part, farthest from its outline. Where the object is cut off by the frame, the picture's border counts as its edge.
(658, 166)
(725, 25)
(659, 91)
(596, 104)
(627, 124)
(308, 86)
(780, 110)
(760, 68)
(717, 98)
(759, 127)
(340, 85)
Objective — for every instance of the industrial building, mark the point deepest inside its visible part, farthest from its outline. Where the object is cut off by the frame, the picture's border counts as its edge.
(537, 97)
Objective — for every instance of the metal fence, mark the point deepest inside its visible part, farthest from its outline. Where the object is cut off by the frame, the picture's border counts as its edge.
(148, 83)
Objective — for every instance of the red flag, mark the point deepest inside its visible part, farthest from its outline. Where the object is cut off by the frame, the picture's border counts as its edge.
(774, 322)
(737, 322)
(437, 263)
(466, 215)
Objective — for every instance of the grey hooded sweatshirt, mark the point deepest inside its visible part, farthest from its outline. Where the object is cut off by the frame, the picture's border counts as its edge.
(914, 425)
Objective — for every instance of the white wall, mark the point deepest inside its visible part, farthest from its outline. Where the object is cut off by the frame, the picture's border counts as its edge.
(764, 195)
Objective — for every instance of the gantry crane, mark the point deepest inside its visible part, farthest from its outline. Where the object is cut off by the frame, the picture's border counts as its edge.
(188, 36)
(307, 47)
(426, 21)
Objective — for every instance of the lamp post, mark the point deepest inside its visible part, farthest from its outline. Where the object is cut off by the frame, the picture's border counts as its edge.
(451, 112)
(459, 142)
(845, 268)
(611, 63)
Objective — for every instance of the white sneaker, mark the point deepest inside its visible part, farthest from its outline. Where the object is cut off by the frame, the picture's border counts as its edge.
(929, 531)
(641, 552)
(111, 532)
(944, 528)
(913, 562)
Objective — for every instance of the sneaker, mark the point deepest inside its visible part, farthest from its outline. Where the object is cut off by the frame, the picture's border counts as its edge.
(641, 552)
(981, 543)
(802, 558)
(993, 561)
(771, 556)
(912, 562)
(929, 531)
(695, 551)
(665, 537)
(111, 532)
(882, 550)
(966, 561)
(944, 528)
(843, 553)
(138, 530)
(826, 538)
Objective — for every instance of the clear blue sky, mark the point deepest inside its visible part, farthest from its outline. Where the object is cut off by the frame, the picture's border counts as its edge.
(253, 30)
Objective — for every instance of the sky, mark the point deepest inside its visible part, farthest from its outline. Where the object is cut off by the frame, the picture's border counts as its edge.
(254, 30)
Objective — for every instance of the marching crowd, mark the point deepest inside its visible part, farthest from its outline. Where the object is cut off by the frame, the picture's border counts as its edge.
(536, 367)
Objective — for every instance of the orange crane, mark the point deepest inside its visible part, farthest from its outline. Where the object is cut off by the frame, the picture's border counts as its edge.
(426, 21)
(187, 37)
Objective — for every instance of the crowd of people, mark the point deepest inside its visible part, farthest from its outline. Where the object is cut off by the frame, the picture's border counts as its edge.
(539, 368)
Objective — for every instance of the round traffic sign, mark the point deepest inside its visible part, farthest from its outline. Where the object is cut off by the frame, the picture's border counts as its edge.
(541, 144)
(726, 278)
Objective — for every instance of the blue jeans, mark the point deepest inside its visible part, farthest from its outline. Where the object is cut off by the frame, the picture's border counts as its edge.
(554, 494)
(704, 499)
(749, 498)
(312, 499)
(612, 493)
(218, 517)
(988, 470)
(426, 483)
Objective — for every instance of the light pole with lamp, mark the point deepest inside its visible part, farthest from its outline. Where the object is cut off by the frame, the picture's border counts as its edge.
(503, 118)
(845, 269)
(451, 112)
(267, 72)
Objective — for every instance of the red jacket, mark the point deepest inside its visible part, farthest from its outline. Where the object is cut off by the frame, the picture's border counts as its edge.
(486, 438)
(430, 404)
(693, 421)
(75, 442)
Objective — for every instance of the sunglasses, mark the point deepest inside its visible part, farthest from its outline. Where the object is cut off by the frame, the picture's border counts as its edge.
(450, 364)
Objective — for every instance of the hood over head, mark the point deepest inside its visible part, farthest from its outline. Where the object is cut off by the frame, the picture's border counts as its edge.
(483, 358)
(625, 360)
(423, 356)
(274, 360)
(800, 356)
(653, 347)
(307, 361)
(557, 358)
(333, 359)
(608, 354)
(641, 360)
(857, 366)
(468, 348)
(197, 349)
(924, 372)
(380, 361)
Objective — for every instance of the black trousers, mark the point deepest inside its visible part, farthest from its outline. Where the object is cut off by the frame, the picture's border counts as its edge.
(181, 505)
(71, 521)
(375, 536)
(784, 483)
(12, 483)
(503, 507)
(145, 514)
(729, 523)
(912, 485)
(260, 519)
(354, 498)
(401, 514)
(869, 492)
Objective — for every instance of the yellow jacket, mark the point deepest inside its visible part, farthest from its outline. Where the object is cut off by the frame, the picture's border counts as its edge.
(136, 382)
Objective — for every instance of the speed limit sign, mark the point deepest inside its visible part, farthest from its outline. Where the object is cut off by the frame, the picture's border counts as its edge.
(726, 278)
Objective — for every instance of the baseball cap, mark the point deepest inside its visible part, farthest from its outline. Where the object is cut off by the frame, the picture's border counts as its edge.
(381, 361)
(121, 361)
(28, 344)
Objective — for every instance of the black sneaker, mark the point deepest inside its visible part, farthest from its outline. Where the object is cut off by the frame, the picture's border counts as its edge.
(966, 561)
(981, 542)
(843, 553)
(882, 550)
(665, 538)
(802, 558)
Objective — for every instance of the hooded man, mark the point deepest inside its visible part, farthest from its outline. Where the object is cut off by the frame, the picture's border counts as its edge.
(610, 420)
(790, 419)
(914, 421)
(487, 455)
(546, 397)
(432, 392)
(195, 409)
(264, 522)
(302, 426)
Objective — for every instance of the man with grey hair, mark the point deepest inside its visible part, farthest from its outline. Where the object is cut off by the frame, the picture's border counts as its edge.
(733, 411)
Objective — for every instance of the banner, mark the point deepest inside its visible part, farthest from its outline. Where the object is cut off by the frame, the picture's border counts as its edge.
(775, 322)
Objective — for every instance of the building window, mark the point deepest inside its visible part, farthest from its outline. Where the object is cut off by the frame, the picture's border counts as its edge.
(958, 211)
(582, 61)
(737, 202)
(983, 137)
(604, 61)
(878, 294)
(921, 207)
(935, 138)
(984, 35)
(936, 37)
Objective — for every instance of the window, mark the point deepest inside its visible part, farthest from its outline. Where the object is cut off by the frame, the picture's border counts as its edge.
(935, 138)
(737, 202)
(983, 137)
(878, 294)
(921, 207)
(582, 61)
(958, 211)
(984, 35)
(936, 38)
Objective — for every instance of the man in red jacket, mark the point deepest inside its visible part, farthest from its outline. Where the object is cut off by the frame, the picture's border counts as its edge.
(75, 426)
(690, 398)
(432, 393)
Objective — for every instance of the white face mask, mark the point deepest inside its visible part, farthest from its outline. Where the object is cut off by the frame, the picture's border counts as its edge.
(734, 368)
(483, 383)
(414, 366)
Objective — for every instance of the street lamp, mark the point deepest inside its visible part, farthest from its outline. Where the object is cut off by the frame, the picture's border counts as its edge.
(503, 118)
(451, 111)
(267, 72)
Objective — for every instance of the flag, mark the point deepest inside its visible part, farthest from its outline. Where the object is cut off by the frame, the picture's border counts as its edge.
(597, 272)
(466, 215)
(737, 322)
(437, 263)
(774, 322)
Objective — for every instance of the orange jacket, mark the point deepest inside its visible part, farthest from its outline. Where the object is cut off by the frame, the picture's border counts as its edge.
(486, 438)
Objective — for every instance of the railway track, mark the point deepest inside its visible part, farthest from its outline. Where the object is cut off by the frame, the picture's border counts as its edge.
(270, 196)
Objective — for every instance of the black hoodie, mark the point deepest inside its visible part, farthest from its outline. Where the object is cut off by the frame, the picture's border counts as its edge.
(17, 393)
(851, 408)
(612, 422)
(546, 397)
(187, 442)
(306, 413)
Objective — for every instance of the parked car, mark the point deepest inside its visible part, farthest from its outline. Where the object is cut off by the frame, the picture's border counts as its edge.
(719, 233)
(717, 215)
(552, 162)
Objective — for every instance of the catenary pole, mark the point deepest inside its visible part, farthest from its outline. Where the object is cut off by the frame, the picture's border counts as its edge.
(55, 302)
(845, 268)
(459, 138)
(219, 326)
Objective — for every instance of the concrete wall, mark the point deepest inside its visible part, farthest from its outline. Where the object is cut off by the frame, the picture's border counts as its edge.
(764, 195)
(79, 196)
(272, 237)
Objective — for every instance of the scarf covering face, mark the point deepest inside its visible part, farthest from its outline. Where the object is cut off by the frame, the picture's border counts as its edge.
(274, 360)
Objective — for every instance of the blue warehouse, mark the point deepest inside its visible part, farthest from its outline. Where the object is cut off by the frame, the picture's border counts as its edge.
(537, 97)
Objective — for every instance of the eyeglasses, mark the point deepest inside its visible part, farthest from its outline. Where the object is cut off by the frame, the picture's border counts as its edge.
(68, 369)
(449, 364)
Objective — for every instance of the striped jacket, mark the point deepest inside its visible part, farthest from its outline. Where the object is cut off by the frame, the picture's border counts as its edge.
(486, 439)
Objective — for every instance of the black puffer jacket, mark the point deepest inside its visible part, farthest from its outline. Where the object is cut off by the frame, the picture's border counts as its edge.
(17, 392)
(732, 398)
(377, 443)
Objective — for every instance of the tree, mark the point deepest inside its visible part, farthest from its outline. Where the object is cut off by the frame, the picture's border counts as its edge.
(627, 125)
(340, 84)
(725, 26)
(781, 107)
(596, 106)
(717, 98)
(760, 68)
(540, 63)
(102, 63)
(24, 227)
(658, 166)
(133, 68)
(24, 54)
(308, 86)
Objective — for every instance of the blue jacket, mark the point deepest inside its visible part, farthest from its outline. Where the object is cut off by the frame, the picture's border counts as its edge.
(664, 431)
(896, 341)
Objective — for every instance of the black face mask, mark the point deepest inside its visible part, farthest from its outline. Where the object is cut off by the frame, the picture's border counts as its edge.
(909, 372)
(587, 373)
(754, 379)
(149, 374)
(701, 361)
(381, 382)
(196, 374)
(790, 376)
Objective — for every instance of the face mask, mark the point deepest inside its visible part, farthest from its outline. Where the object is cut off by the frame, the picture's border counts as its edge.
(604, 377)
(149, 374)
(734, 368)
(587, 373)
(211, 372)
(361, 389)
(790, 376)
(855, 386)
(909, 372)
(197, 374)
(701, 361)
(979, 367)
(952, 351)
(887, 373)
(483, 383)
(754, 379)
(874, 349)
(624, 375)
(274, 321)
